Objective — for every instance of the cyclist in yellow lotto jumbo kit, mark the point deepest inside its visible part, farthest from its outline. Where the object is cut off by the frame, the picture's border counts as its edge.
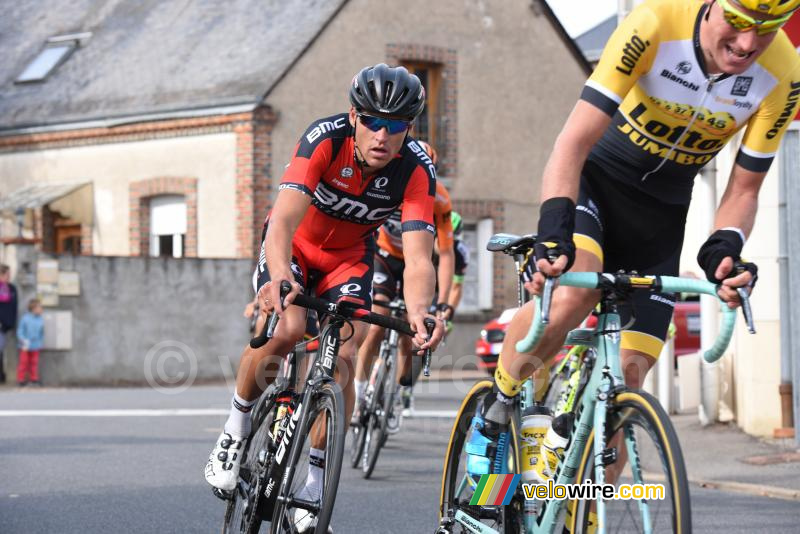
(676, 81)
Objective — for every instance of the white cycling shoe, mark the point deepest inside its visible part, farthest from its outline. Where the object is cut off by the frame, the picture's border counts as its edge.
(305, 521)
(222, 468)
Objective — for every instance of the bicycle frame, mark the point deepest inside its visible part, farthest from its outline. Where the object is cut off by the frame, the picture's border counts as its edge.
(322, 370)
(605, 378)
(606, 374)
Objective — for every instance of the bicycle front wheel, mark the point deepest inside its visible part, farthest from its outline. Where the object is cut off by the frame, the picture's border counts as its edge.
(458, 487)
(296, 510)
(242, 514)
(647, 452)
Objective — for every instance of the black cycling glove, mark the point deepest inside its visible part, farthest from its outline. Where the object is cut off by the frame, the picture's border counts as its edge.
(720, 245)
(556, 226)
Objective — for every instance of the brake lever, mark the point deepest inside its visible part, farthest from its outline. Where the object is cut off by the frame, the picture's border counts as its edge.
(269, 329)
(426, 361)
(547, 292)
(747, 311)
(547, 297)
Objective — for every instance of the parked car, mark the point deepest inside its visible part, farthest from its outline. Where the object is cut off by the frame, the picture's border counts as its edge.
(686, 319)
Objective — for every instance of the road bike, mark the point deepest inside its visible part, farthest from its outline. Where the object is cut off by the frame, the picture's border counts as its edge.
(369, 433)
(283, 422)
(613, 426)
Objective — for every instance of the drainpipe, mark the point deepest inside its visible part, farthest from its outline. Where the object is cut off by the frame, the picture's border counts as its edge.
(785, 387)
(790, 236)
(709, 308)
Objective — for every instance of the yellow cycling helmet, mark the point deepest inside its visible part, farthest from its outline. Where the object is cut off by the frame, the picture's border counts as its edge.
(770, 7)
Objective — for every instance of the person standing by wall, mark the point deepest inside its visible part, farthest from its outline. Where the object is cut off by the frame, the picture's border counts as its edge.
(8, 311)
(30, 338)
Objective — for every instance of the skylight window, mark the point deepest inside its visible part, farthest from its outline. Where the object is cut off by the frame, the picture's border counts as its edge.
(55, 52)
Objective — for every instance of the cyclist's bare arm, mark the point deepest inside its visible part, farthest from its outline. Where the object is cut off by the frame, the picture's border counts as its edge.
(418, 284)
(289, 209)
(444, 273)
(737, 209)
(583, 129)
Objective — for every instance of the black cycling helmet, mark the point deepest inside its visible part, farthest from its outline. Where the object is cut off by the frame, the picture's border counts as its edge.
(388, 91)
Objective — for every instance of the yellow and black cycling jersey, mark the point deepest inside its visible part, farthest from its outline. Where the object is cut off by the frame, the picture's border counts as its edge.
(669, 116)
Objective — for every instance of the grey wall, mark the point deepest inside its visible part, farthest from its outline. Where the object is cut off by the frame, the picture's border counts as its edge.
(173, 317)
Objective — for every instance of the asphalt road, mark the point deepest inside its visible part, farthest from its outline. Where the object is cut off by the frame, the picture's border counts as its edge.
(89, 463)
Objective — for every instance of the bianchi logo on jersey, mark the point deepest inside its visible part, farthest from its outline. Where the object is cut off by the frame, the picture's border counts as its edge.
(741, 85)
(684, 67)
(677, 79)
(347, 172)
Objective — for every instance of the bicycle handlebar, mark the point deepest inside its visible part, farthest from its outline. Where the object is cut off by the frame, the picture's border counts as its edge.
(325, 307)
(668, 284)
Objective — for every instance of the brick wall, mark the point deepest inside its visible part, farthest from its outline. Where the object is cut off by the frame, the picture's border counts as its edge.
(447, 144)
(140, 194)
(253, 179)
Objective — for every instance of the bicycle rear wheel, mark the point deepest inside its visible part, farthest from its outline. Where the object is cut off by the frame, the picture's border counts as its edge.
(375, 431)
(651, 454)
(242, 514)
(458, 487)
(294, 510)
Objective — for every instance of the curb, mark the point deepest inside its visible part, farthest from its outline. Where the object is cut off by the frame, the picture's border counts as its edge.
(761, 490)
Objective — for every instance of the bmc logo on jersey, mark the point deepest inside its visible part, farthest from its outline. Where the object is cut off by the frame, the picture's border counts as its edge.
(348, 208)
(325, 127)
(426, 159)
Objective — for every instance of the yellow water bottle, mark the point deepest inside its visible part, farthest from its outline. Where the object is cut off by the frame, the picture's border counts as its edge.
(535, 423)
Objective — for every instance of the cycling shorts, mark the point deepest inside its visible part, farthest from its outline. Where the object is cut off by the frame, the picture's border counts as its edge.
(627, 229)
(388, 278)
(330, 274)
(462, 260)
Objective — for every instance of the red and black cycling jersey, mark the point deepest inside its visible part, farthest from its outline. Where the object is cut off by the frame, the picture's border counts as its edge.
(346, 206)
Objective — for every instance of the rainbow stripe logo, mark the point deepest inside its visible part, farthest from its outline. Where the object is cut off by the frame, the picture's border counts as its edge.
(495, 490)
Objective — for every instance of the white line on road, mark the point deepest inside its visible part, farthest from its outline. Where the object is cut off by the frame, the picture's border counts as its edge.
(177, 412)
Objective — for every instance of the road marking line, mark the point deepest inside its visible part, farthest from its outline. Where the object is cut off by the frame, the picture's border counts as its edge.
(175, 412)
(180, 412)
(443, 414)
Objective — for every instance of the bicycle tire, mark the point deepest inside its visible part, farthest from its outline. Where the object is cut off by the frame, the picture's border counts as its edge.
(357, 435)
(242, 512)
(509, 518)
(375, 435)
(657, 447)
(328, 402)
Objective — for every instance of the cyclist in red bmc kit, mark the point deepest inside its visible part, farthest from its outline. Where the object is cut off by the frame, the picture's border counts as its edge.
(348, 174)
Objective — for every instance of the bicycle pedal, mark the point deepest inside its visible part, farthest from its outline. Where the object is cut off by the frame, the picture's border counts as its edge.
(222, 494)
(609, 456)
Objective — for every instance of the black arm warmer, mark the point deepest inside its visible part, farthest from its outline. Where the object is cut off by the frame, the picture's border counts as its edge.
(556, 226)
